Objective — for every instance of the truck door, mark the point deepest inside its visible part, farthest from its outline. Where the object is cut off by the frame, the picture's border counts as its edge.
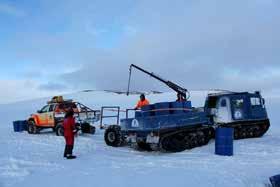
(50, 116)
(43, 116)
(223, 114)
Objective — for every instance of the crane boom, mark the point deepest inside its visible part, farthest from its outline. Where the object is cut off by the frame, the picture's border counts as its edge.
(182, 91)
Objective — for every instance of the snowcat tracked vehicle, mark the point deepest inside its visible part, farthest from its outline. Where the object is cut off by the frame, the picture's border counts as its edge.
(52, 116)
(176, 126)
(168, 126)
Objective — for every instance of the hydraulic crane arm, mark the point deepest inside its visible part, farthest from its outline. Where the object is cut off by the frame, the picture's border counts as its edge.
(182, 91)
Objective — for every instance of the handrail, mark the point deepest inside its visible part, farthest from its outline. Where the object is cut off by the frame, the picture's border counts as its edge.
(109, 108)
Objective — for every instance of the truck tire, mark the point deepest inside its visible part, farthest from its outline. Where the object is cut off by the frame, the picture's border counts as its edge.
(31, 128)
(59, 130)
(113, 136)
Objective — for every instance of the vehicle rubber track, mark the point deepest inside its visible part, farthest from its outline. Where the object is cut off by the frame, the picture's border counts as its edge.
(249, 129)
(185, 139)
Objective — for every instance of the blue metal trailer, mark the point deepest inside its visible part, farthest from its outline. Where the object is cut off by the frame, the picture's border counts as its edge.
(165, 129)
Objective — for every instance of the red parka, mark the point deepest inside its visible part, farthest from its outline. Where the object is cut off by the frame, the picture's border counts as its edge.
(69, 130)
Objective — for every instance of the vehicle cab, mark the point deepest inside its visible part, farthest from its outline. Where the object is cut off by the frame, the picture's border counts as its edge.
(229, 107)
(53, 113)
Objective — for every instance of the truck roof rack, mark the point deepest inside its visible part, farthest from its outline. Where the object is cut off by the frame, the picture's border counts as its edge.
(64, 101)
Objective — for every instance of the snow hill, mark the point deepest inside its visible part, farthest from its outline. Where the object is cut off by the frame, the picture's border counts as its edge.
(36, 160)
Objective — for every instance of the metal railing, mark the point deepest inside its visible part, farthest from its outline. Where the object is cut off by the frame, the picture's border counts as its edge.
(87, 114)
(112, 109)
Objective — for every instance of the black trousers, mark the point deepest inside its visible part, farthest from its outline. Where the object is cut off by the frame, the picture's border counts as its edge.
(68, 150)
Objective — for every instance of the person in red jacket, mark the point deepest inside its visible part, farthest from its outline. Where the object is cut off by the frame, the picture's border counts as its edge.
(69, 133)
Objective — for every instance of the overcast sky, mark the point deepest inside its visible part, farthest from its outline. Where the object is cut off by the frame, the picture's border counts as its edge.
(50, 47)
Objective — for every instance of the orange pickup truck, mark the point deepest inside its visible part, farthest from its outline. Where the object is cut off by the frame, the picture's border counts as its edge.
(52, 115)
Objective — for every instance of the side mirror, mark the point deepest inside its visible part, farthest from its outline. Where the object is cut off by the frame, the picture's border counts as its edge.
(39, 111)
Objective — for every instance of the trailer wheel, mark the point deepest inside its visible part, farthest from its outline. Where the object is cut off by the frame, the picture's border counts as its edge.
(59, 130)
(31, 128)
(92, 130)
(85, 128)
(113, 136)
(144, 146)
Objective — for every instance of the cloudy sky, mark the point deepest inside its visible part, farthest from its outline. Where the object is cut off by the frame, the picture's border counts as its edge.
(50, 47)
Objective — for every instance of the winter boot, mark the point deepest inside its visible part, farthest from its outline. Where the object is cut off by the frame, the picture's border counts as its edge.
(70, 157)
(68, 150)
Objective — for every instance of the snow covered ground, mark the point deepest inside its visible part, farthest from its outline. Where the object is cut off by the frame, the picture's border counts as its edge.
(36, 160)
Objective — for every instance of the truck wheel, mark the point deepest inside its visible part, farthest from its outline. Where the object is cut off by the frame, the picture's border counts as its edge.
(31, 128)
(113, 136)
(59, 130)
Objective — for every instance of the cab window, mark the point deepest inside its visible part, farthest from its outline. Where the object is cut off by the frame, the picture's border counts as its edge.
(238, 103)
(255, 101)
(52, 108)
(45, 109)
(223, 103)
